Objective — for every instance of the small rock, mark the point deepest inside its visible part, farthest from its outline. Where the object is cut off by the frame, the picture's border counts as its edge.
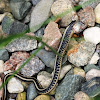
(32, 67)
(35, 2)
(4, 6)
(92, 35)
(47, 57)
(40, 32)
(70, 85)
(14, 86)
(1, 91)
(42, 97)
(92, 87)
(40, 14)
(4, 54)
(79, 27)
(87, 16)
(81, 96)
(86, 3)
(19, 8)
(97, 13)
(15, 59)
(64, 70)
(22, 44)
(94, 58)
(61, 6)
(21, 96)
(1, 66)
(89, 67)
(92, 73)
(31, 92)
(52, 35)
(44, 78)
(81, 53)
(79, 71)
(11, 26)
(2, 16)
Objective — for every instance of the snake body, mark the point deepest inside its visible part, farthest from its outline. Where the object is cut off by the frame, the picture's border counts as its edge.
(58, 61)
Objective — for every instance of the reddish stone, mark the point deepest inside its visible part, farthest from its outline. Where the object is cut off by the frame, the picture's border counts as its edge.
(87, 16)
(15, 59)
(30, 34)
(52, 35)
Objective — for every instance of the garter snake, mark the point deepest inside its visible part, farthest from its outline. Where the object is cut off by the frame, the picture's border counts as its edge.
(58, 61)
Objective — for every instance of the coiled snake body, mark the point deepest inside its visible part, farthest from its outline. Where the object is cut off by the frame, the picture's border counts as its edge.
(61, 50)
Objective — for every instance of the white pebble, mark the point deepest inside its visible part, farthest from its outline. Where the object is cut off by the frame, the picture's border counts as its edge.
(15, 86)
(94, 58)
(1, 66)
(92, 35)
(92, 73)
(97, 13)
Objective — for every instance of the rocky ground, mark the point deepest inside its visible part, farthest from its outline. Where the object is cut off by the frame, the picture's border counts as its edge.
(80, 73)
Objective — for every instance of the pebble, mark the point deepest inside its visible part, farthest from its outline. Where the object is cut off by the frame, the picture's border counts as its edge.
(4, 6)
(15, 58)
(92, 34)
(35, 2)
(81, 96)
(81, 53)
(40, 32)
(92, 87)
(64, 70)
(19, 8)
(40, 14)
(92, 73)
(11, 26)
(21, 96)
(22, 44)
(42, 97)
(61, 6)
(4, 55)
(97, 13)
(14, 86)
(79, 27)
(32, 67)
(1, 66)
(47, 57)
(1, 91)
(79, 71)
(92, 4)
(69, 86)
(44, 78)
(87, 16)
(31, 92)
(94, 58)
(52, 35)
(2, 16)
(89, 67)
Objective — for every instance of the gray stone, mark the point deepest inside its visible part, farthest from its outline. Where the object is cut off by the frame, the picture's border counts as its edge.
(90, 66)
(31, 92)
(22, 44)
(70, 85)
(10, 26)
(92, 87)
(4, 54)
(40, 32)
(48, 58)
(81, 53)
(34, 2)
(19, 8)
(32, 67)
(40, 14)
(92, 3)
